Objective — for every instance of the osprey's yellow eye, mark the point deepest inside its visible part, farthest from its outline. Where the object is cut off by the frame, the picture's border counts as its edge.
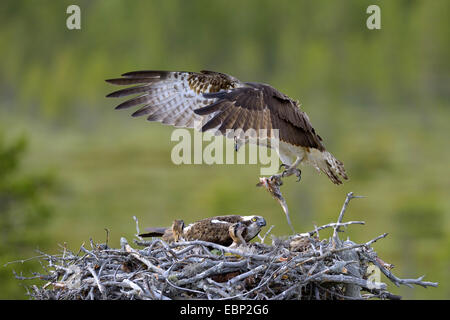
(254, 219)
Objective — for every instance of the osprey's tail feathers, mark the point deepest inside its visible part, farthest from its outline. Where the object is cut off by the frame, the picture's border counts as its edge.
(328, 164)
(333, 168)
(153, 232)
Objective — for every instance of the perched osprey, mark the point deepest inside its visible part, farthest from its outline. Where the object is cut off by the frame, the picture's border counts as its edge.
(215, 229)
(222, 102)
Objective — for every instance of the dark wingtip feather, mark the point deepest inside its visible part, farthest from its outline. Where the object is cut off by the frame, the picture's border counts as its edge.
(112, 81)
(124, 105)
(155, 74)
(213, 107)
(199, 111)
(143, 111)
(211, 124)
(153, 232)
(202, 111)
(126, 81)
(129, 91)
(212, 95)
(150, 234)
(133, 102)
(112, 95)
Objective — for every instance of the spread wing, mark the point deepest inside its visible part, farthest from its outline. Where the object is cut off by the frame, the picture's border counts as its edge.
(171, 97)
(219, 100)
(259, 106)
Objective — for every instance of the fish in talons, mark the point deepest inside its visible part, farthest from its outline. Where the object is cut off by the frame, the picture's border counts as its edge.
(272, 185)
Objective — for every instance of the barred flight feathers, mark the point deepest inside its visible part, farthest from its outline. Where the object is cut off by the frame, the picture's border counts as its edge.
(214, 100)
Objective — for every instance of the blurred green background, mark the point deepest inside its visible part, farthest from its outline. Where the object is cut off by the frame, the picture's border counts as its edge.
(71, 166)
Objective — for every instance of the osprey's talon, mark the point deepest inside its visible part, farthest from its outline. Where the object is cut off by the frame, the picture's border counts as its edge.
(290, 171)
(282, 165)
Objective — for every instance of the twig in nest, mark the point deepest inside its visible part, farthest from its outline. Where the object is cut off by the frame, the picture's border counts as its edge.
(349, 197)
(265, 235)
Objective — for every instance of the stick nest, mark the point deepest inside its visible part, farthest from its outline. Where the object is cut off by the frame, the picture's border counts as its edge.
(302, 266)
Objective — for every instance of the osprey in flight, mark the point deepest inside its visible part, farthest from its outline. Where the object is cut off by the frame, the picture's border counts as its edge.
(223, 230)
(220, 101)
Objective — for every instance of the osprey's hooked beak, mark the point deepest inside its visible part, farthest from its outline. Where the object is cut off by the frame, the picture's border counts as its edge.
(261, 222)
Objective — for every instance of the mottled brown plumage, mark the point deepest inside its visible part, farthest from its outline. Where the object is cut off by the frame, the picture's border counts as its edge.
(213, 100)
(214, 229)
(300, 243)
(177, 229)
(255, 100)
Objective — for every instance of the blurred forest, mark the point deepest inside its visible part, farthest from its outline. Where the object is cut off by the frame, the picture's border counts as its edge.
(71, 166)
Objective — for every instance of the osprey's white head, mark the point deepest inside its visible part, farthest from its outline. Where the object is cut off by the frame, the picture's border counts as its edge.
(254, 225)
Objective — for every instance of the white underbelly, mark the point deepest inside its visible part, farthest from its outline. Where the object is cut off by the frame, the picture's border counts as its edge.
(288, 153)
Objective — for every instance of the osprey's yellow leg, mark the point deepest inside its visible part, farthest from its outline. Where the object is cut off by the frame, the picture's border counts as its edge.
(290, 170)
